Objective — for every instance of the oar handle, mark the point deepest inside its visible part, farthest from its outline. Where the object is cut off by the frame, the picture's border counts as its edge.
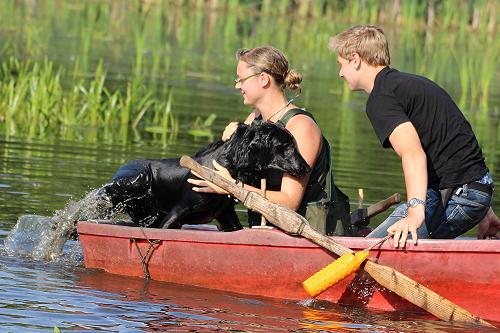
(282, 217)
(420, 295)
(383, 205)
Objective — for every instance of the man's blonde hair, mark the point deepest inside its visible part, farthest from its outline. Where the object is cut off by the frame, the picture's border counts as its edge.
(366, 40)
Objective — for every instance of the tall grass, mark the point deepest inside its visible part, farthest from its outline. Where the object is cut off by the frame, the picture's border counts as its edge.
(117, 53)
(32, 97)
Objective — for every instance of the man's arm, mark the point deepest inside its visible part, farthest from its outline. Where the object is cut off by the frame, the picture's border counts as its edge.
(406, 143)
(489, 226)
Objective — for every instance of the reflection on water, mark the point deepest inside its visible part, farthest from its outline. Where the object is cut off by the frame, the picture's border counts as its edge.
(35, 297)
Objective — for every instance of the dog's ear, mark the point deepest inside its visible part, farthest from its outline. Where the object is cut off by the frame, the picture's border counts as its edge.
(233, 149)
(252, 149)
(283, 154)
(251, 159)
(286, 158)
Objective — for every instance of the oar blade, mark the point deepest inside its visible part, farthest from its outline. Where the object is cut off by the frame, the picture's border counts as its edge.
(420, 295)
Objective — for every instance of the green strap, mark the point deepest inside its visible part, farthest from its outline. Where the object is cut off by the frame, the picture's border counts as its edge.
(291, 113)
(285, 118)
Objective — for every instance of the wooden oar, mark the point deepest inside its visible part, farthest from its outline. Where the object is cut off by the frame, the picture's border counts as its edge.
(387, 277)
(361, 216)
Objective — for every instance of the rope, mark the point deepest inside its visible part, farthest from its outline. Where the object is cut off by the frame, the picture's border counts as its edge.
(144, 257)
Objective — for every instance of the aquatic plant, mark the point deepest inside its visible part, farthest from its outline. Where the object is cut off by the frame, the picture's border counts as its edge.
(33, 96)
(120, 58)
(202, 128)
(164, 118)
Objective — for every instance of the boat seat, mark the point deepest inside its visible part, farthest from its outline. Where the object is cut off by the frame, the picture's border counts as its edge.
(203, 227)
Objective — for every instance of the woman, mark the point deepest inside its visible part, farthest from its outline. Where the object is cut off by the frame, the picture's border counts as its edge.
(262, 77)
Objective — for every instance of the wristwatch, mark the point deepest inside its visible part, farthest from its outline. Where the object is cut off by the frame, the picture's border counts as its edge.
(414, 202)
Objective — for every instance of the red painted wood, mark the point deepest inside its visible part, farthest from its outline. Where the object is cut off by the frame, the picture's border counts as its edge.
(272, 263)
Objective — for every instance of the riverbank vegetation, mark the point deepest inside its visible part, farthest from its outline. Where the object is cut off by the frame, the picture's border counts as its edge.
(32, 96)
(130, 64)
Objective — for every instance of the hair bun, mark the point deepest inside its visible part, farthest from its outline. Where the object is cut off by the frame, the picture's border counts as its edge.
(293, 79)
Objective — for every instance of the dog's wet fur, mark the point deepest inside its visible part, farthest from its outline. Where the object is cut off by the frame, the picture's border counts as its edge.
(155, 193)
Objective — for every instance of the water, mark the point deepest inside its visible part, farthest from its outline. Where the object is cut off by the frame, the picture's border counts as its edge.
(45, 177)
(37, 296)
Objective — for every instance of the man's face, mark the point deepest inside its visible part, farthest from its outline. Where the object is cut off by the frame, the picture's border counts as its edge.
(348, 71)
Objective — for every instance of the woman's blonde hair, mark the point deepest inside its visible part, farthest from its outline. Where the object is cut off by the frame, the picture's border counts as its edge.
(366, 40)
(270, 60)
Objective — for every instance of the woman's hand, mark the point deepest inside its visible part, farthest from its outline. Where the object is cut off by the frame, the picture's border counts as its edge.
(204, 186)
(229, 130)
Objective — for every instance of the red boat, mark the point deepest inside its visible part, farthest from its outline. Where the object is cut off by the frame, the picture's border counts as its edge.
(272, 263)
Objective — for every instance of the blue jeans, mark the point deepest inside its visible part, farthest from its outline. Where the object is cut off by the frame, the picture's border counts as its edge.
(465, 209)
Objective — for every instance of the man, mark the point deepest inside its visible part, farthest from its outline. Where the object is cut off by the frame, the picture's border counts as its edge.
(448, 185)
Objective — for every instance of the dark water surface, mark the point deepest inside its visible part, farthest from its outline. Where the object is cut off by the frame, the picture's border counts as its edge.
(41, 174)
(36, 296)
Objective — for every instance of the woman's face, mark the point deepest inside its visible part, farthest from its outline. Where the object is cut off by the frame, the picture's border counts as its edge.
(248, 81)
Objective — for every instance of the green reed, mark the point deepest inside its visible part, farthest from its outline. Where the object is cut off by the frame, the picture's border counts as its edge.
(139, 36)
(32, 96)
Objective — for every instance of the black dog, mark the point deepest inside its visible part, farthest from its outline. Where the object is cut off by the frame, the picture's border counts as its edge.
(155, 193)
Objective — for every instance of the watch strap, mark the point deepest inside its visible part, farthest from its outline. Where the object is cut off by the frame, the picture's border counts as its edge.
(413, 202)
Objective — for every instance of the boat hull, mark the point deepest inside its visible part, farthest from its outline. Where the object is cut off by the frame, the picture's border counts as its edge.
(271, 263)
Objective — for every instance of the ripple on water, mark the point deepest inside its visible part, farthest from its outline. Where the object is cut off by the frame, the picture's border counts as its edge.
(37, 295)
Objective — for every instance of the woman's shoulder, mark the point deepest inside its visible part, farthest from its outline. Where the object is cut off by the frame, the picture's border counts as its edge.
(307, 135)
(298, 116)
(303, 123)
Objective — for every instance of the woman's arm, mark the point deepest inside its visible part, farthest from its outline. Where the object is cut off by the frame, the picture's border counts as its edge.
(308, 139)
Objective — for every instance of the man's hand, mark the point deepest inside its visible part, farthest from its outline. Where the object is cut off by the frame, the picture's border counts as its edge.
(489, 226)
(204, 186)
(400, 229)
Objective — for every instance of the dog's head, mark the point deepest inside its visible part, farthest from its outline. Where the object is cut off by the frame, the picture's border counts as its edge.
(252, 150)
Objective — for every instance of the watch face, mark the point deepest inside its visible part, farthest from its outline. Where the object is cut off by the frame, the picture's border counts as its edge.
(414, 202)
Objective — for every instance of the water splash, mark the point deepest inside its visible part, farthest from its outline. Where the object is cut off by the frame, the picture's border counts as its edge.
(43, 238)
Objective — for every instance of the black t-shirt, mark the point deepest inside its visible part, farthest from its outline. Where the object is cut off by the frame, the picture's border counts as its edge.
(453, 153)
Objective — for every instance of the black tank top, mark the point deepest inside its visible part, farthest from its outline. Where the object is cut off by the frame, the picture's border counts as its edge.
(316, 186)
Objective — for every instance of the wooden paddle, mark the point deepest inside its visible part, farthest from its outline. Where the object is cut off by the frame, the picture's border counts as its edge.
(361, 216)
(387, 277)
